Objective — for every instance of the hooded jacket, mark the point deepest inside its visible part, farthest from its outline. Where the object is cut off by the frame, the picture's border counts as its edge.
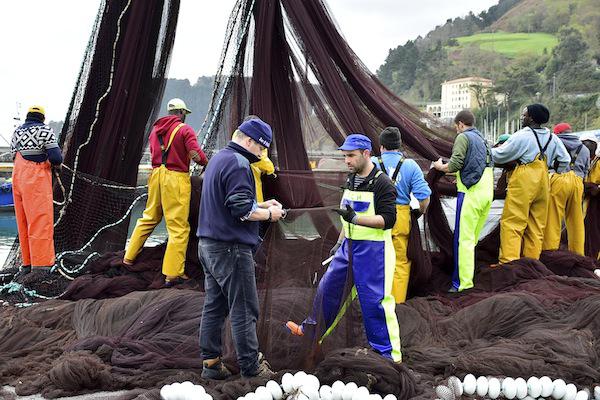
(185, 140)
(580, 163)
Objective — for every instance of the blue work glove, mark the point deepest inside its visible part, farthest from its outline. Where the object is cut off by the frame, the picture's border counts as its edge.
(349, 215)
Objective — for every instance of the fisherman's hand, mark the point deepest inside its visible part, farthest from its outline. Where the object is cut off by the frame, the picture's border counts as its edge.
(276, 213)
(57, 168)
(272, 203)
(439, 164)
(349, 215)
(335, 248)
(416, 213)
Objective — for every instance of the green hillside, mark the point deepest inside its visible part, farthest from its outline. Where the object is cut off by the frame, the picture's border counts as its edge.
(533, 50)
(512, 44)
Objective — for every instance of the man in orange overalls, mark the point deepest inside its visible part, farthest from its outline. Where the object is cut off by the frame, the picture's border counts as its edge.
(35, 153)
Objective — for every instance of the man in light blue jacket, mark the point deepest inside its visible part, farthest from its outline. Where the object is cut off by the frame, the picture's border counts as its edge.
(524, 216)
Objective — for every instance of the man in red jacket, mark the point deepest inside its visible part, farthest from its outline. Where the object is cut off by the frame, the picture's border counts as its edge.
(172, 145)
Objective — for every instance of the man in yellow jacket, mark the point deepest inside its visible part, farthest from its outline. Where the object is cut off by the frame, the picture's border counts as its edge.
(263, 167)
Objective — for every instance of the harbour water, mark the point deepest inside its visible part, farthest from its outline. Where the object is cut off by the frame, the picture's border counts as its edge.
(8, 231)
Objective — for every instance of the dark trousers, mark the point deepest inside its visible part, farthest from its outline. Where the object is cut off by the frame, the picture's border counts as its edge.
(230, 288)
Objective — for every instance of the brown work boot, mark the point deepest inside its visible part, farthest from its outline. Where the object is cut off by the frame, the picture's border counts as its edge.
(263, 371)
(215, 369)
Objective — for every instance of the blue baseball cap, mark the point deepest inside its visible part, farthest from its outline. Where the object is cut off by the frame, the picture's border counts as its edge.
(356, 141)
(258, 130)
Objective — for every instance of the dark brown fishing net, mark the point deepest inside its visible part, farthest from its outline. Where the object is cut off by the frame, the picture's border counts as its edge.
(114, 327)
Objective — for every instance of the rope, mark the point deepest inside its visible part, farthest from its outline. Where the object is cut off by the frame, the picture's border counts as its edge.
(60, 256)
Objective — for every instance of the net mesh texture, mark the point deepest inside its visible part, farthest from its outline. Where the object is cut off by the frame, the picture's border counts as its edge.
(99, 325)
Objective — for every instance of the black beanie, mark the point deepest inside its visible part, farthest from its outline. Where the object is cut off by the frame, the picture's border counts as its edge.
(539, 113)
(35, 116)
(390, 138)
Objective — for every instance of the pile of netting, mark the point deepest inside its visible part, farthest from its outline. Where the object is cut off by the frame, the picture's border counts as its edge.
(99, 325)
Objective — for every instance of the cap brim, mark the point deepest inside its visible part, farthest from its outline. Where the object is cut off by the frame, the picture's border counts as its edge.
(350, 148)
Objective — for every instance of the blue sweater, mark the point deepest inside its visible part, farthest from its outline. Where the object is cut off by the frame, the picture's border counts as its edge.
(229, 197)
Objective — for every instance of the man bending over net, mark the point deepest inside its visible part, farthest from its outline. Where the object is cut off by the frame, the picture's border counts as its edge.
(228, 232)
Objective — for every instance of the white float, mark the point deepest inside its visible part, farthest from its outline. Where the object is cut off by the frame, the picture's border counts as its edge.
(275, 390)
(337, 389)
(298, 379)
(455, 385)
(362, 393)
(570, 392)
(349, 390)
(493, 388)
(521, 388)
(582, 395)
(560, 388)
(482, 386)
(326, 393)
(534, 387)
(287, 382)
(469, 384)
(509, 388)
(547, 386)
(443, 392)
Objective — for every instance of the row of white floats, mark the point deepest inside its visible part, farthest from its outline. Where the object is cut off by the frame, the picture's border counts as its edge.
(510, 388)
(299, 386)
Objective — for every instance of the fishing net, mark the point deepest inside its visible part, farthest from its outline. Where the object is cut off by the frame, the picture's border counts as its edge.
(104, 326)
(114, 103)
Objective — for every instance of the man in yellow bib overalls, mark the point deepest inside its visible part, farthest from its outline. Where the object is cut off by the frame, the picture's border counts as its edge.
(566, 195)
(172, 145)
(526, 206)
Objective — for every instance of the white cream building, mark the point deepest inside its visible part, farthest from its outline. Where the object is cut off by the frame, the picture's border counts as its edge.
(459, 94)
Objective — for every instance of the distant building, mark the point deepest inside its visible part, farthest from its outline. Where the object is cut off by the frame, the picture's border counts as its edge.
(434, 109)
(462, 93)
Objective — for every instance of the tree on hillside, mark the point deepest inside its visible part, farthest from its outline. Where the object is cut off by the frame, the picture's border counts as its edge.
(571, 64)
(519, 83)
(398, 71)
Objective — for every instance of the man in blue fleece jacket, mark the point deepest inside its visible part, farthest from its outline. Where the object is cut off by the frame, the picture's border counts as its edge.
(228, 232)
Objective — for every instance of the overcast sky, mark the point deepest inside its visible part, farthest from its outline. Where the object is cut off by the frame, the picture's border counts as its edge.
(42, 41)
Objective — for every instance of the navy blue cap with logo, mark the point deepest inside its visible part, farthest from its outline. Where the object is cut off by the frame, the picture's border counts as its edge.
(356, 141)
(258, 130)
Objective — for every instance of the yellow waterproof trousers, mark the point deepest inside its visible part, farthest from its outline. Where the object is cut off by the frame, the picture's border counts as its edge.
(525, 211)
(565, 203)
(169, 194)
(400, 233)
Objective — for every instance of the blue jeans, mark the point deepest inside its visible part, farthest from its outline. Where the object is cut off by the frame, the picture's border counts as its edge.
(230, 289)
